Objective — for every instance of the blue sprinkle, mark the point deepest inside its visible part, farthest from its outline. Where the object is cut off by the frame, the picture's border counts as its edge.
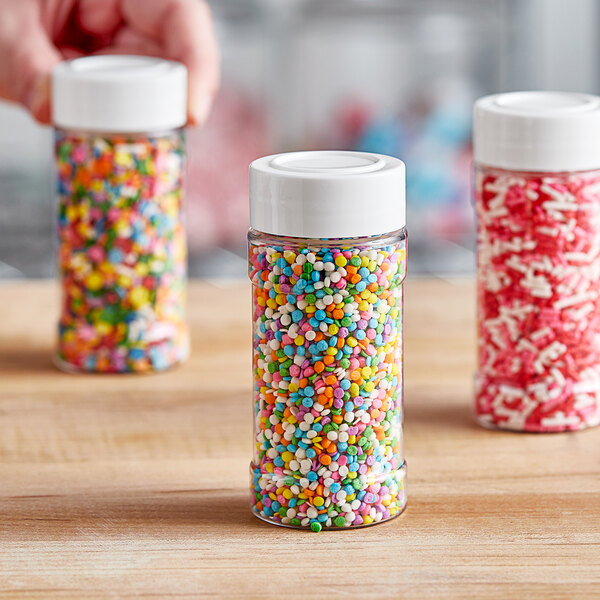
(322, 346)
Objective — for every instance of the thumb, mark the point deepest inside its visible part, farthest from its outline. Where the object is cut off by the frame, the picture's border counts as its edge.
(27, 57)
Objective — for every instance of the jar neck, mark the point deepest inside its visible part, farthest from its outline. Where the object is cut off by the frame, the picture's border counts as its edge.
(261, 238)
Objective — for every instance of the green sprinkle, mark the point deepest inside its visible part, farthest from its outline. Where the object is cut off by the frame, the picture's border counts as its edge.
(316, 526)
(340, 521)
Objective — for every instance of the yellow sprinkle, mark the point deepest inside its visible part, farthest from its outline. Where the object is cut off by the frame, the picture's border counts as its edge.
(341, 261)
(318, 501)
(287, 456)
(94, 281)
(141, 269)
(351, 341)
(299, 340)
(139, 296)
(287, 494)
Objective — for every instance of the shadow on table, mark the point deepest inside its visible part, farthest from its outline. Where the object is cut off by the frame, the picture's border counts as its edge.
(451, 415)
(177, 514)
(22, 362)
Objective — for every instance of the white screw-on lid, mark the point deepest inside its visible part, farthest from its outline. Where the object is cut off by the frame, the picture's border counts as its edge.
(538, 131)
(114, 94)
(327, 194)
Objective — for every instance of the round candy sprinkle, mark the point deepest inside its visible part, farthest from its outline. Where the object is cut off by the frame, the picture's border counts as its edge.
(539, 300)
(122, 252)
(328, 384)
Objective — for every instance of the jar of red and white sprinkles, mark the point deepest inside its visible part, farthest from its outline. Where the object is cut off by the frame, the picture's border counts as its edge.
(537, 196)
(327, 259)
(120, 156)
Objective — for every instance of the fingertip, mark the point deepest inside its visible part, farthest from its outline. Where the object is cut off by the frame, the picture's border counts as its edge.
(38, 102)
(199, 109)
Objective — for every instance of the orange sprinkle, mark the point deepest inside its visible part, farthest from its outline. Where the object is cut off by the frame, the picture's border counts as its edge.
(319, 366)
(328, 359)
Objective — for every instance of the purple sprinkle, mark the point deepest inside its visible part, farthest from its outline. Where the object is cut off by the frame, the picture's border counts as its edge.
(343, 332)
(338, 403)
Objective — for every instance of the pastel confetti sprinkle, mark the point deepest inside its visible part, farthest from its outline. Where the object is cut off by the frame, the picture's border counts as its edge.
(328, 383)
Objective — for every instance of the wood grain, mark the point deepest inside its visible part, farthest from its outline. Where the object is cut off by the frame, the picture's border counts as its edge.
(136, 486)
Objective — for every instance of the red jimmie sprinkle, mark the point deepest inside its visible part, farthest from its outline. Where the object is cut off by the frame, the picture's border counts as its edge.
(538, 300)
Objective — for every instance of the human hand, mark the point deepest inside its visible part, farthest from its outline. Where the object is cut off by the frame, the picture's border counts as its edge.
(37, 34)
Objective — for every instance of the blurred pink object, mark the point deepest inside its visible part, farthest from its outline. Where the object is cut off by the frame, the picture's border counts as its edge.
(218, 157)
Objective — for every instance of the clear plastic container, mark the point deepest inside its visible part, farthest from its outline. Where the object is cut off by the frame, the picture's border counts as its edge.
(537, 196)
(327, 340)
(121, 234)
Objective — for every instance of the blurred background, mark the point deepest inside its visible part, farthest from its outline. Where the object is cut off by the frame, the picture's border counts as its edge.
(392, 76)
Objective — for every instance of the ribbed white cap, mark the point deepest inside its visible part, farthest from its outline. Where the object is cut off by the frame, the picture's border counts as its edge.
(119, 93)
(538, 131)
(327, 194)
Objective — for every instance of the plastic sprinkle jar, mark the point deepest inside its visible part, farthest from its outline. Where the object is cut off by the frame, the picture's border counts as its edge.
(537, 197)
(327, 259)
(120, 156)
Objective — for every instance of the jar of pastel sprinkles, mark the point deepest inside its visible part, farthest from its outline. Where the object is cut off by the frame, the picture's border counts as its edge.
(120, 157)
(537, 196)
(327, 260)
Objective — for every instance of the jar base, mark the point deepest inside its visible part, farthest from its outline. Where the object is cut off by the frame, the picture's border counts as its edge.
(487, 422)
(396, 503)
(72, 369)
(307, 528)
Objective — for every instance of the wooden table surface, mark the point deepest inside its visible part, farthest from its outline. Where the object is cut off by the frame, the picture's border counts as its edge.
(136, 486)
